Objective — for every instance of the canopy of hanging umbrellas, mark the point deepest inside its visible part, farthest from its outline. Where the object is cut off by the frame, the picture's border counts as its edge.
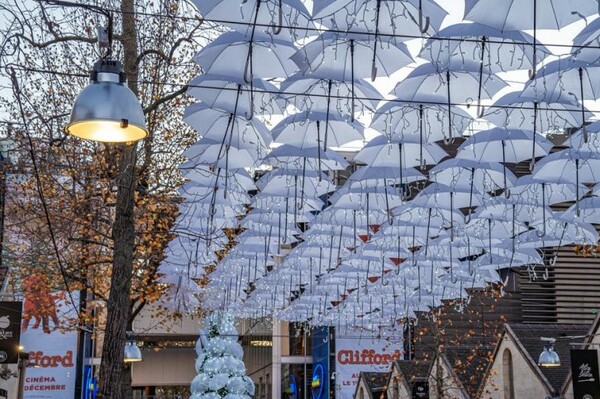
(454, 115)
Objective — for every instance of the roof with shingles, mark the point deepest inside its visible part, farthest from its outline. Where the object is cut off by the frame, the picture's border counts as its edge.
(469, 363)
(413, 369)
(528, 336)
(375, 382)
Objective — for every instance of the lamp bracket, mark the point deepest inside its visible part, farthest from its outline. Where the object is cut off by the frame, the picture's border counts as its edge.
(546, 339)
(104, 65)
(103, 37)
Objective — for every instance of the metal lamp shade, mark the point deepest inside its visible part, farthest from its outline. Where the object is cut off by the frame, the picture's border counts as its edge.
(132, 353)
(107, 110)
(549, 358)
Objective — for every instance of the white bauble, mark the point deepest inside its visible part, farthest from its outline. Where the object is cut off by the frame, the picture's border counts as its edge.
(236, 366)
(227, 330)
(212, 365)
(216, 346)
(218, 381)
(250, 387)
(233, 348)
(211, 395)
(236, 385)
(232, 365)
(200, 383)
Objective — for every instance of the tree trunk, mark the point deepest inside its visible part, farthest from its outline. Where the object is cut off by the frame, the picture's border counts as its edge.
(118, 307)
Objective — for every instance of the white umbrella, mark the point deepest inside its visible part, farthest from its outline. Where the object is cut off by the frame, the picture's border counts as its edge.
(219, 155)
(383, 151)
(429, 122)
(516, 111)
(305, 158)
(233, 94)
(342, 56)
(247, 56)
(312, 129)
(265, 15)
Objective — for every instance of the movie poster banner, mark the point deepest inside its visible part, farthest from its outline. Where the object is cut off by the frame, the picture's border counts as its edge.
(48, 337)
(354, 354)
(10, 328)
(584, 369)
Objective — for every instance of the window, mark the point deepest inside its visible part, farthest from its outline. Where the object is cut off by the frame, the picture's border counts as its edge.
(507, 375)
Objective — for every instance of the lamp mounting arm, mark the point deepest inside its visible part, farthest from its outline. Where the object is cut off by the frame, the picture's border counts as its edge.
(90, 7)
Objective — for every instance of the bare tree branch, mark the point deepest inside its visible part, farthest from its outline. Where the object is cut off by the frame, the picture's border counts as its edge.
(165, 99)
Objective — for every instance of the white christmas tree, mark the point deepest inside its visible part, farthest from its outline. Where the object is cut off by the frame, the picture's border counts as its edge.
(221, 371)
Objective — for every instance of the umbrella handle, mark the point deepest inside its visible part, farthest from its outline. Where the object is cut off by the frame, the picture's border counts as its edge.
(480, 110)
(423, 27)
(373, 70)
(248, 67)
(277, 28)
(383, 282)
(449, 140)
(543, 217)
(468, 217)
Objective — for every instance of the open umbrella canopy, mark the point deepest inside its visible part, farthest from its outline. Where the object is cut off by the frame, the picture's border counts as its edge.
(266, 16)
(586, 42)
(504, 145)
(517, 111)
(505, 52)
(557, 232)
(216, 153)
(569, 166)
(537, 191)
(383, 151)
(306, 215)
(577, 80)
(243, 55)
(387, 17)
(588, 141)
(369, 176)
(446, 197)
(233, 94)
(430, 83)
(511, 16)
(342, 57)
(319, 92)
(239, 131)
(488, 176)
(317, 129)
(428, 122)
(305, 157)
(209, 176)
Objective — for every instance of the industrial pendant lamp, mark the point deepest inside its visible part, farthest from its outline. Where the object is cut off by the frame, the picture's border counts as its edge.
(107, 110)
(548, 357)
(132, 351)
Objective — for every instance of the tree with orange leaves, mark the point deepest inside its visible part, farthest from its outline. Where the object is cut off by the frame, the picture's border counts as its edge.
(64, 209)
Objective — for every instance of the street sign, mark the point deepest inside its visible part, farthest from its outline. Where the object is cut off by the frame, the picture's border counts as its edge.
(10, 330)
(584, 368)
(420, 389)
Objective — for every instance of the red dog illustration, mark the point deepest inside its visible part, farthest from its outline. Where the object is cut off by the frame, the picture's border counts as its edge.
(39, 303)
